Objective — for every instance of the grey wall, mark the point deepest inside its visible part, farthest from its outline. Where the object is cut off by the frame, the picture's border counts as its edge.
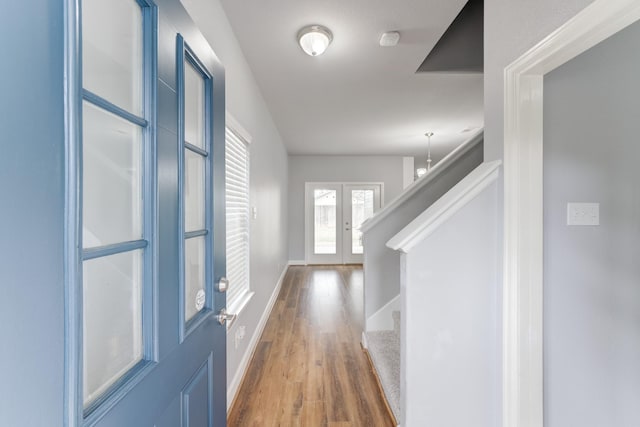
(450, 334)
(511, 28)
(32, 215)
(387, 169)
(381, 264)
(268, 170)
(592, 274)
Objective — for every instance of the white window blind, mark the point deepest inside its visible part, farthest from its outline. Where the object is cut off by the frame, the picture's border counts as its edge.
(237, 203)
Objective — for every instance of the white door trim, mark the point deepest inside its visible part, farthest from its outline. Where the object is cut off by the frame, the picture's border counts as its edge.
(308, 227)
(523, 226)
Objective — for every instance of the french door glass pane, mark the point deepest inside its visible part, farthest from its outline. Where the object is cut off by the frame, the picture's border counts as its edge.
(361, 209)
(112, 310)
(324, 202)
(193, 106)
(194, 191)
(112, 46)
(112, 178)
(194, 276)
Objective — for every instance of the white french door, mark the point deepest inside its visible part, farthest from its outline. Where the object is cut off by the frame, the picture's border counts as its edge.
(334, 213)
(360, 201)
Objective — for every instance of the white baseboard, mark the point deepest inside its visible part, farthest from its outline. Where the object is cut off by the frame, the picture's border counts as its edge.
(297, 262)
(382, 319)
(364, 342)
(234, 386)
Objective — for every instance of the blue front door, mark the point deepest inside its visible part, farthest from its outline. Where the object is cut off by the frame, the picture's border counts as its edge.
(145, 218)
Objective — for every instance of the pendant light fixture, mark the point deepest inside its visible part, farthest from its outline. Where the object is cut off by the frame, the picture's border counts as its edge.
(428, 135)
(314, 39)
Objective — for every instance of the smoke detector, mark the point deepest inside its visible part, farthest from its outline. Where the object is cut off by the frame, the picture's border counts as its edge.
(390, 38)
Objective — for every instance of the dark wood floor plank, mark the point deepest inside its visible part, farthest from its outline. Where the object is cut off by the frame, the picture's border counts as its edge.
(308, 368)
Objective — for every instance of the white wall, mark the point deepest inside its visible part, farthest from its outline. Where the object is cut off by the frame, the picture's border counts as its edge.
(268, 171)
(381, 264)
(386, 169)
(450, 334)
(511, 27)
(592, 274)
(408, 171)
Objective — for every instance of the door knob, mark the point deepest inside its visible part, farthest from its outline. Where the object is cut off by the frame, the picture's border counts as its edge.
(222, 285)
(224, 317)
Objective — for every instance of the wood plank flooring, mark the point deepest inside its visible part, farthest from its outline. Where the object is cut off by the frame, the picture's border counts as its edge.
(308, 368)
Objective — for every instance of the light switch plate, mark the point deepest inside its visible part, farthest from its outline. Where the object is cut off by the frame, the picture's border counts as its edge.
(583, 213)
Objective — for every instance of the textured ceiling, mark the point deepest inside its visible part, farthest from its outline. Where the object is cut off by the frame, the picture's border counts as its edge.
(357, 98)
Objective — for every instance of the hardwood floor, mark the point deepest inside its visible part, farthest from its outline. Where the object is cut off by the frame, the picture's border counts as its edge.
(308, 368)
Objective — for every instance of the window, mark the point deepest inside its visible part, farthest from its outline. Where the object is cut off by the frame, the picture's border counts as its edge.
(117, 195)
(195, 89)
(237, 205)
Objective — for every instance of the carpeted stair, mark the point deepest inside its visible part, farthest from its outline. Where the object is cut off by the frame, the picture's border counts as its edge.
(384, 350)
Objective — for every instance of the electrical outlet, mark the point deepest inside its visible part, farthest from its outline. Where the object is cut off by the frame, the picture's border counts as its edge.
(239, 336)
(583, 213)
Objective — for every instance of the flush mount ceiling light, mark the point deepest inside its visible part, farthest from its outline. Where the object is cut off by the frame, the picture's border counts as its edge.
(314, 39)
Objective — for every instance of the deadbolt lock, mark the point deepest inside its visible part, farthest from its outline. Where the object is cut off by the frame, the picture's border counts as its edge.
(222, 285)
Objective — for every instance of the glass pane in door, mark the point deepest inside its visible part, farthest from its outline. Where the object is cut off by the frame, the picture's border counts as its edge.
(112, 178)
(194, 276)
(194, 106)
(194, 191)
(112, 319)
(324, 221)
(361, 209)
(112, 52)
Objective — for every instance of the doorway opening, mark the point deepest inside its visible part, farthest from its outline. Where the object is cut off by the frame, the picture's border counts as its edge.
(523, 375)
(334, 213)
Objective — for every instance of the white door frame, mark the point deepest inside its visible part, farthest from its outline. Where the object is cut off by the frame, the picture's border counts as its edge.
(308, 220)
(523, 226)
